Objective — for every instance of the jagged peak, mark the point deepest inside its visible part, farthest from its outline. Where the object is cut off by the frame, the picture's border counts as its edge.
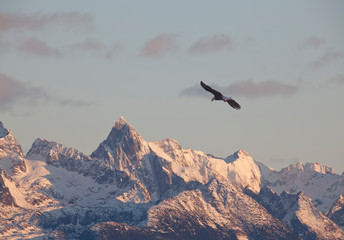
(121, 128)
(122, 139)
(42, 147)
(3, 130)
(40, 142)
(240, 154)
(121, 123)
(8, 143)
(170, 142)
(294, 167)
(317, 167)
(308, 167)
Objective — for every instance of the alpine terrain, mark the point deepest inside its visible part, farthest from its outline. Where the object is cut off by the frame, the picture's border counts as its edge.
(129, 188)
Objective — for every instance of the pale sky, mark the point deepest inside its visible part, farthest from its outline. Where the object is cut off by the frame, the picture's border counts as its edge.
(70, 69)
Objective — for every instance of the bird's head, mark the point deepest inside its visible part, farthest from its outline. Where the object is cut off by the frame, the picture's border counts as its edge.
(213, 99)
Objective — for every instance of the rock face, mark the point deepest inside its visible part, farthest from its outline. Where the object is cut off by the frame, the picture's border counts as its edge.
(8, 144)
(6, 198)
(336, 212)
(129, 188)
(298, 213)
(308, 178)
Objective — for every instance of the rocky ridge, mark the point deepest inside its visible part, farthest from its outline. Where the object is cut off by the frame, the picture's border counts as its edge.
(131, 188)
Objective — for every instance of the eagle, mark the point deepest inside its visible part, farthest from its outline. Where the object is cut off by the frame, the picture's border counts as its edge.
(219, 96)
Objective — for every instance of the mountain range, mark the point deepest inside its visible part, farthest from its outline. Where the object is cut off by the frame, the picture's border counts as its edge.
(129, 188)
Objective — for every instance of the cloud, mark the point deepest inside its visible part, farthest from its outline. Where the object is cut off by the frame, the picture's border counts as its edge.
(97, 47)
(35, 46)
(246, 88)
(312, 43)
(196, 91)
(13, 92)
(89, 44)
(38, 21)
(266, 88)
(211, 44)
(338, 79)
(159, 45)
(327, 58)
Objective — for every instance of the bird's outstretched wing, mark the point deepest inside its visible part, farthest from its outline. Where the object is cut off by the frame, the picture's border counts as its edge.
(233, 104)
(209, 89)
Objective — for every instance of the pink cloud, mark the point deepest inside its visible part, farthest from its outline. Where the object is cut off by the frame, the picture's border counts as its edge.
(13, 91)
(37, 47)
(159, 45)
(327, 58)
(211, 44)
(249, 88)
(40, 21)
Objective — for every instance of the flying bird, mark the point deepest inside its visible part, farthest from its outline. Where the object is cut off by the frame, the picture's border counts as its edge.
(219, 96)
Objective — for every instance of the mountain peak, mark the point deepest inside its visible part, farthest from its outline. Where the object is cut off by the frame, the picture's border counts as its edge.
(3, 130)
(317, 167)
(308, 167)
(123, 143)
(243, 171)
(121, 123)
(240, 154)
(8, 143)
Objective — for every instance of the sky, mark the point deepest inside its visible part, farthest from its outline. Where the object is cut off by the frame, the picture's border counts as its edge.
(70, 69)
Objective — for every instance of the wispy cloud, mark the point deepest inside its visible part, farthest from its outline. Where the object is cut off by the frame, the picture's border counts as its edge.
(38, 20)
(196, 91)
(94, 46)
(14, 92)
(338, 79)
(35, 46)
(89, 44)
(267, 88)
(211, 44)
(312, 43)
(159, 45)
(327, 58)
(246, 88)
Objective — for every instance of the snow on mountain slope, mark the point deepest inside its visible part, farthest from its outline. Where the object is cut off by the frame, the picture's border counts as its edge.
(217, 210)
(8, 143)
(298, 212)
(3, 130)
(243, 171)
(336, 212)
(126, 150)
(123, 148)
(320, 183)
(160, 189)
(192, 165)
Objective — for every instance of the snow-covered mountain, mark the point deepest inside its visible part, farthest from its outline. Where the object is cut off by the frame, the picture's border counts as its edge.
(129, 188)
(298, 213)
(320, 183)
(8, 144)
